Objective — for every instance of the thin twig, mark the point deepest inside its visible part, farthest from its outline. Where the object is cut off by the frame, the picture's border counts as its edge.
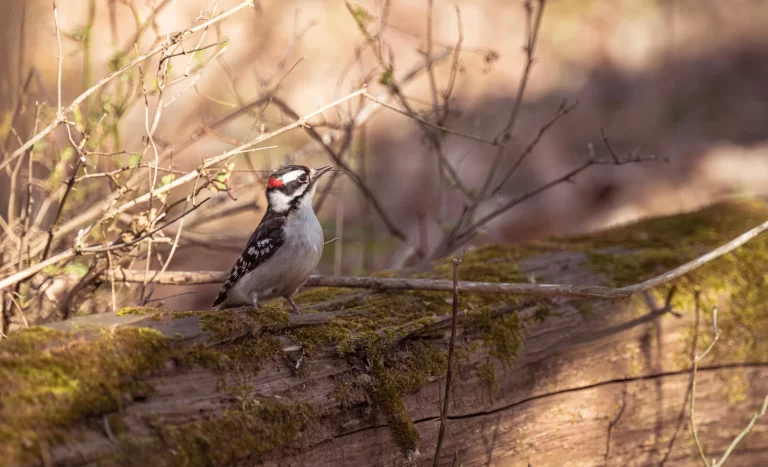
(98, 210)
(544, 290)
(428, 58)
(460, 237)
(391, 283)
(696, 360)
(347, 169)
(562, 111)
(432, 125)
(449, 373)
(59, 114)
(700, 261)
(745, 431)
(82, 97)
(761, 412)
(77, 250)
(530, 47)
(448, 93)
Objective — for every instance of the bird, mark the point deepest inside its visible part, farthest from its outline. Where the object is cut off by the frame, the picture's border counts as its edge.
(286, 246)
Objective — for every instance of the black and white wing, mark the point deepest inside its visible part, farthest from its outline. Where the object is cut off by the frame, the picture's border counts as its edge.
(264, 242)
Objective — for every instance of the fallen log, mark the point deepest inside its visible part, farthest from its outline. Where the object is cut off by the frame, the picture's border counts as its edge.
(546, 381)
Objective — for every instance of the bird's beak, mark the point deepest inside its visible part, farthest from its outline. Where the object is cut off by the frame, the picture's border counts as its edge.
(316, 173)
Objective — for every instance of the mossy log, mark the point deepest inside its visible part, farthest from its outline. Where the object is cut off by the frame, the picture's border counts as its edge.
(359, 380)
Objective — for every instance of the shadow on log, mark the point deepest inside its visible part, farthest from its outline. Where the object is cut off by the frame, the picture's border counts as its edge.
(359, 380)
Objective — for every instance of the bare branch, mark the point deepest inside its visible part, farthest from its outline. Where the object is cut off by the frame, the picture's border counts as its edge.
(609, 146)
(700, 261)
(454, 70)
(430, 124)
(385, 283)
(77, 250)
(428, 58)
(696, 359)
(745, 431)
(82, 97)
(60, 61)
(390, 283)
(337, 159)
(449, 373)
(98, 210)
(530, 47)
(562, 111)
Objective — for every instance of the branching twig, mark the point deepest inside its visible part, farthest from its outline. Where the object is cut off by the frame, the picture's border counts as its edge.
(534, 25)
(337, 159)
(696, 360)
(97, 210)
(459, 236)
(77, 250)
(142, 58)
(430, 124)
(752, 421)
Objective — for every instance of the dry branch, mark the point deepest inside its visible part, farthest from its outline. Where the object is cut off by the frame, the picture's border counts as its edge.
(175, 39)
(449, 372)
(191, 176)
(388, 283)
(694, 371)
(98, 210)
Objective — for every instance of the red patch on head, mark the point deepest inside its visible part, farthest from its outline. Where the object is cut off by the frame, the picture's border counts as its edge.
(274, 182)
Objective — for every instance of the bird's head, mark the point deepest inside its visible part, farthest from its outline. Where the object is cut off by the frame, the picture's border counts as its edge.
(292, 187)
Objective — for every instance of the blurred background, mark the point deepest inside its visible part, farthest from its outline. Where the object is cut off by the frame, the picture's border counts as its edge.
(683, 80)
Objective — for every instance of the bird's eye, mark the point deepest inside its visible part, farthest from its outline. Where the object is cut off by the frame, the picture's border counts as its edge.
(303, 179)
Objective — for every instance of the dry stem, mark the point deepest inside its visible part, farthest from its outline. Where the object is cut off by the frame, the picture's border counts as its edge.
(449, 373)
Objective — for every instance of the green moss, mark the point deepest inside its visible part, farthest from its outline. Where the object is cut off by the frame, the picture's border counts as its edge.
(503, 336)
(400, 374)
(385, 394)
(243, 357)
(316, 295)
(585, 307)
(230, 326)
(138, 310)
(227, 324)
(235, 435)
(393, 375)
(413, 368)
(315, 337)
(354, 391)
(737, 282)
(625, 268)
(486, 373)
(51, 380)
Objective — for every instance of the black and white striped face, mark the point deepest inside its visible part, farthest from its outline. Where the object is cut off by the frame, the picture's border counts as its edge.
(292, 187)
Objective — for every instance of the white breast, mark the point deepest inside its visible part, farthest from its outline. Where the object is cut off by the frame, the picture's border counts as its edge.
(292, 264)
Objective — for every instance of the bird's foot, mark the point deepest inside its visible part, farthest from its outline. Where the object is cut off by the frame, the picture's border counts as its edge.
(295, 309)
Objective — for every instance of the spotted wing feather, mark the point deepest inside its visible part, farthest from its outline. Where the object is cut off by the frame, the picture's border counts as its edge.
(264, 242)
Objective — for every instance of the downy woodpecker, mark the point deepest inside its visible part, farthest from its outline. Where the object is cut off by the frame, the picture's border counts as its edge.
(285, 247)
